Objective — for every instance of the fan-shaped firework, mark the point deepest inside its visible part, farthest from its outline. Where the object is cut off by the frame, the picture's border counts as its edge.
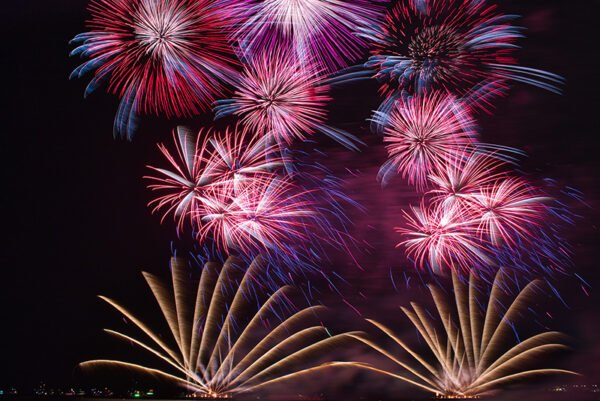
(225, 160)
(227, 341)
(424, 134)
(321, 30)
(507, 208)
(166, 57)
(281, 98)
(442, 237)
(467, 348)
(464, 47)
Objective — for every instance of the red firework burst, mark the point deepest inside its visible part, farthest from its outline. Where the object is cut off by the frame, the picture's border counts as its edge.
(160, 56)
(424, 135)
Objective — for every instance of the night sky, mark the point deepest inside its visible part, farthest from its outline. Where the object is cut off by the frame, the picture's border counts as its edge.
(74, 203)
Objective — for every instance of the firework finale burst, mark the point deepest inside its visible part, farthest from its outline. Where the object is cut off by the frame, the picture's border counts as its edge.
(255, 187)
(466, 339)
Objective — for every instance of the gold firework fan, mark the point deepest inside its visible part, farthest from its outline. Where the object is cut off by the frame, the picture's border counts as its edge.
(221, 349)
(468, 352)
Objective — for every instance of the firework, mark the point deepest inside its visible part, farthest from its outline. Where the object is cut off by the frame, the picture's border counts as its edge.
(269, 214)
(507, 208)
(424, 134)
(442, 237)
(464, 47)
(322, 30)
(233, 192)
(226, 341)
(460, 180)
(226, 160)
(283, 99)
(167, 57)
(467, 343)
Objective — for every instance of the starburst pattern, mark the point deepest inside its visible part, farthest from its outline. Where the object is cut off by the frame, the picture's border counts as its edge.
(442, 238)
(507, 208)
(424, 134)
(463, 47)
(321, 30)
(168, 57)
(279, 97)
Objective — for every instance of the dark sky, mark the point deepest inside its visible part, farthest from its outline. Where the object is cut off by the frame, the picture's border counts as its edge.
(75, 214)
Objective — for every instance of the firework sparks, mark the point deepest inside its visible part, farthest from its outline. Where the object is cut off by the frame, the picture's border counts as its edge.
(220, 350)
(269, 214)
(507, 208)
(424, 134)
(467, 348)
(283, 99)
(321, 30)
(225, 160)
(462, 179)
(441, 237)
(166, 57)
(233, 191)
(461, 47)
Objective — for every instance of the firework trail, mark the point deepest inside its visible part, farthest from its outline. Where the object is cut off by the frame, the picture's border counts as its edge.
(322, 30)
(466, 338)
(279, 97)
(463, 47)
(226, 340)
(424, 134)
(162, 57)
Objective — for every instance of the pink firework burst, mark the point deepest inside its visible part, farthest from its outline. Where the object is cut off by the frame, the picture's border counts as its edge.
(442, 238)
(184, 180)
(226, 160)
(507, 209)
(269, 214)
(160, 56)
(424, 134)
(322, 30)
(281, 98)
(462, 179)
(464, 47)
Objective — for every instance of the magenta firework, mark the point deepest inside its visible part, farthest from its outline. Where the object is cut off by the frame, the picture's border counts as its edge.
(166, 57)
(322, 30)
(424, 134)
(282, 98)
(464, 47)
